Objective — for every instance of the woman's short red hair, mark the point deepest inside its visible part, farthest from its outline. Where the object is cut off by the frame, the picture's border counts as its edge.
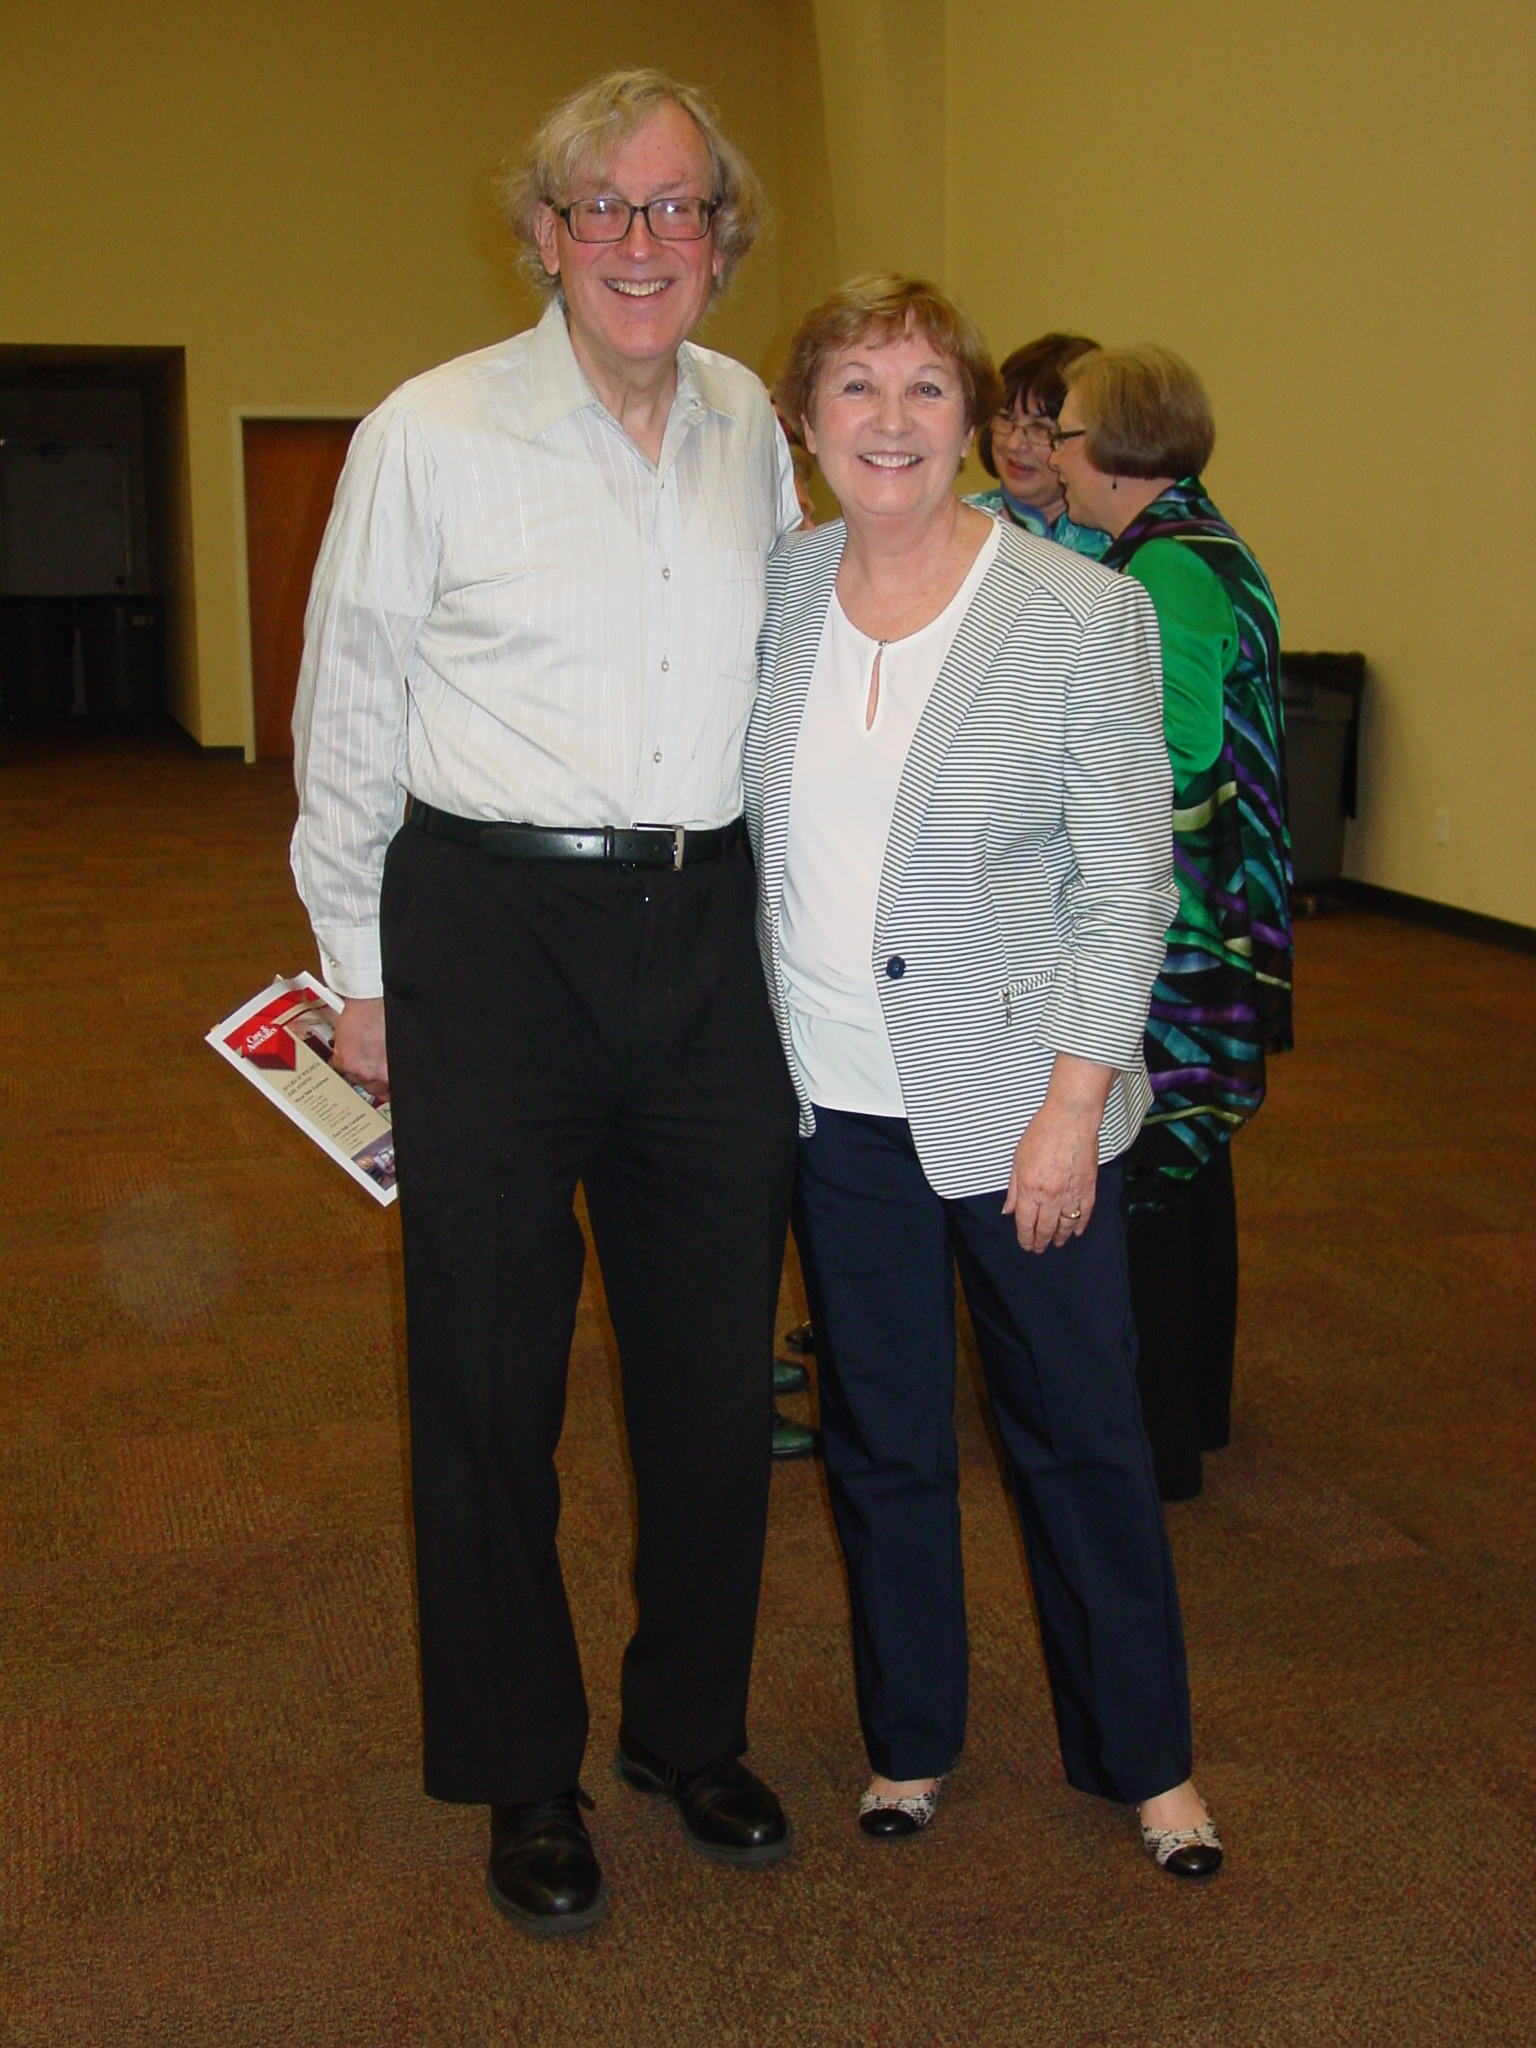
(882, 307)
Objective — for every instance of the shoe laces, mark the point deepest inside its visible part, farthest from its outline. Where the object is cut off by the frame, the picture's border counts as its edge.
(563, 1806)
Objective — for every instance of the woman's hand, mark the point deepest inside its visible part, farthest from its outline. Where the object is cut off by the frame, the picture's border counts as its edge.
(359, 1049)
(1056, 1167)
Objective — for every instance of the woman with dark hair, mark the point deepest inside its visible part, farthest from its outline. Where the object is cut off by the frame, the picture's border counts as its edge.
(958, 794)
(1015, 445)
(1134, 433)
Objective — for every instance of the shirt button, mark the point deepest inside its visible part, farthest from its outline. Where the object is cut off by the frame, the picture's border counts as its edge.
(666, 575)
(895, 967)
(657, 755)
(665, 666)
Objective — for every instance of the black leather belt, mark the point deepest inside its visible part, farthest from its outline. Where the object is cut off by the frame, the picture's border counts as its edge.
(630, 846)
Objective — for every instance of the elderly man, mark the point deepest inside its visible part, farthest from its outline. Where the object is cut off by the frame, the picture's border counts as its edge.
(536, 611)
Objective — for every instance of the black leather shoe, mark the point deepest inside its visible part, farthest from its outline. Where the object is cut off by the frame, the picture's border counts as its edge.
(793, 1439)
(1178, 1482)
(801, 1339)
(726, 1811)
(789, 1376)
(542, 1872)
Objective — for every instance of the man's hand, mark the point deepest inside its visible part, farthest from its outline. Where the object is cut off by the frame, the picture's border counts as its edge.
(360, 1044)
(1056, 1167)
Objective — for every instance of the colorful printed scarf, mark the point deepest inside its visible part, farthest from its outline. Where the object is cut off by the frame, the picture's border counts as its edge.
(1082, 540)
(1224, 996)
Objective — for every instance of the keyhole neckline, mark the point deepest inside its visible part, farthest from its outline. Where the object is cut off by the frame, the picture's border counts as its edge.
(876, 691)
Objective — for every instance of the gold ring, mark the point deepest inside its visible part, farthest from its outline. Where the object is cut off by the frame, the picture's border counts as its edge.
(1071, 1215)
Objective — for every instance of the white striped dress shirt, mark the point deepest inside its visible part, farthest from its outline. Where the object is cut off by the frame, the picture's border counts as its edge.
(517, 615)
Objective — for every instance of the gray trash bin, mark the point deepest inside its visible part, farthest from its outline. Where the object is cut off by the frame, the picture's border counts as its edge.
(1320, 695)
(122, 646)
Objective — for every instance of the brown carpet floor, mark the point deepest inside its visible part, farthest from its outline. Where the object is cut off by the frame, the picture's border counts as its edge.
(211, 1827)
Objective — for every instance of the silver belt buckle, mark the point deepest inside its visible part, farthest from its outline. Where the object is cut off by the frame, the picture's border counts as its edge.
(678, 835)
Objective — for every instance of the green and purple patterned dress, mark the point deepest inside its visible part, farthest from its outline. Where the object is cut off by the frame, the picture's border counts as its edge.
(1223, 999)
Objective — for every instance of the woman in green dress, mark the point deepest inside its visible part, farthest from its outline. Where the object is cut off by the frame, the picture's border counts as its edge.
(1134, 433)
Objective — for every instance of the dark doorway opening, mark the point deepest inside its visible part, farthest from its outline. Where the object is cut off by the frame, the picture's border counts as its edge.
(97, 612)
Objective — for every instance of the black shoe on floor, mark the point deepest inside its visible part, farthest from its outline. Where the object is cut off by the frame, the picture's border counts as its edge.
(727, 1812)
(542, 1871)
(1178, 1482)
(793, 1439)
(789, 1376)
(801, 1339)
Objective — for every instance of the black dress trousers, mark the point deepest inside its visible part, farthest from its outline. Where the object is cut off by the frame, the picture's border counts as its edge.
(550, 1022)
(878, 1248)
(1182, 1241)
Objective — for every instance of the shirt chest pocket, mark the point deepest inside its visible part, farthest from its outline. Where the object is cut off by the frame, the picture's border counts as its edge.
(515, 579)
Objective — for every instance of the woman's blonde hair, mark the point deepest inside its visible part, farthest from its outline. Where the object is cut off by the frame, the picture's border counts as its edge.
(581, 136)
(1145, 411)
(882, 307)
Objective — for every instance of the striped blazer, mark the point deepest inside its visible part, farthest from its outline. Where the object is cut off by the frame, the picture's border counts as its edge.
(1028, 877)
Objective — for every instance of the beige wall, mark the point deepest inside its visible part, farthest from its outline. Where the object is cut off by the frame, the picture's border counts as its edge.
(882, 73)
(1332, 211)
(298, 195)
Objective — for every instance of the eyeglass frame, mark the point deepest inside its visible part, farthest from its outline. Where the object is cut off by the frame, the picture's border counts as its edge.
(1036, 427)
(1060, 434)
(711, 208)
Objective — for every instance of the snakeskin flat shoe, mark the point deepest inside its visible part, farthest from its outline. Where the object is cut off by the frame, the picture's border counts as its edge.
(895, 1820)
(1184, 1852)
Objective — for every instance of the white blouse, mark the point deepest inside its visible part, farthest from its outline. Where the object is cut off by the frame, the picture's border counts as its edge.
(846, 780)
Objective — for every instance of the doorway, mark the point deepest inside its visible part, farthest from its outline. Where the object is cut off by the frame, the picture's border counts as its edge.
(97, 611)
(291, 467)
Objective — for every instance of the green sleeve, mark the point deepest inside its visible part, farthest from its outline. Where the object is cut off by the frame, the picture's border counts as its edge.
(1199, 635)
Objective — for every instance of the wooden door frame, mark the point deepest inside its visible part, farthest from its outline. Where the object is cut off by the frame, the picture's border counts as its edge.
(238, 417)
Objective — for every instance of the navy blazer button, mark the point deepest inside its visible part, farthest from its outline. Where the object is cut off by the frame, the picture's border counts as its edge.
(895, 967)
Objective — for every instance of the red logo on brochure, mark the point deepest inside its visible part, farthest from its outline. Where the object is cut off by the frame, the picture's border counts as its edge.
(263, 1041)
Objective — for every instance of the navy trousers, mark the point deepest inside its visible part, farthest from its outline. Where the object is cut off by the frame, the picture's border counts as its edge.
(1058, 1346)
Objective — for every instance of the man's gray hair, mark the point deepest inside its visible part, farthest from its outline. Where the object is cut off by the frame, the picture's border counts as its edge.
(581, 136)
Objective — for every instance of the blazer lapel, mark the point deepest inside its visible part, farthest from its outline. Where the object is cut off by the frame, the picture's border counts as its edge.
(974, 648)
(807, 599)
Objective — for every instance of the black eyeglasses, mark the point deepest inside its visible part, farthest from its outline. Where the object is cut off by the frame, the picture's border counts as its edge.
(1036, 427)
(1060, 434)
(610, 218)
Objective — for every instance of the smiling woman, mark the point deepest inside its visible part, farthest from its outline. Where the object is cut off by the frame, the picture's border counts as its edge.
(889, 381)
(1014, 445)
(879, 308)
(960, 801)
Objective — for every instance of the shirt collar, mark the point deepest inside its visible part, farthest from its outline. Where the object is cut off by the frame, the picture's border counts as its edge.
(560, 386)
